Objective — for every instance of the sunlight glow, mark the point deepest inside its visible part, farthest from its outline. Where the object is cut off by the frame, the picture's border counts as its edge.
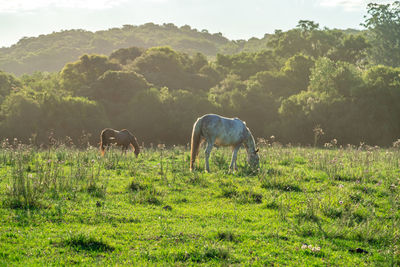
(28, 5)
(350, 5)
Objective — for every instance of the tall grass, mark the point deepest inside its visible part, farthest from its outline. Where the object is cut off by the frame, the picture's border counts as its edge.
(306, 197)
(36, 175)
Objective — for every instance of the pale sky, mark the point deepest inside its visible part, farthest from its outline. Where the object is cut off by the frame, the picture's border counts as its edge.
(235, 19)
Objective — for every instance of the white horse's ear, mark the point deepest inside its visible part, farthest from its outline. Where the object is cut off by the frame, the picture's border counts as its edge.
(257, 150)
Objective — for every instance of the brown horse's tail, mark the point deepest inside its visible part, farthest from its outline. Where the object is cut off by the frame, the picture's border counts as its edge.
(103, 141)
(195, 142)
(134, 144)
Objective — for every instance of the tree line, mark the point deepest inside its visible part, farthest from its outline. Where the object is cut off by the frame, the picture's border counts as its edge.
(307, 78)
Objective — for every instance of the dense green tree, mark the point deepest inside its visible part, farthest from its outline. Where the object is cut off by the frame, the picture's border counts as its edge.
(145, 116)
(248, 64)
(126, 55)
(383, 23)
(212, 75)
(182, 108)
(118, 86)
(297, 70)
(379, 104)
(258, 108)
(20, 116)
(307, 39)
(335, 78)
(222, 94)
(352, 49)
(198, 61)
(274, 82)
(78, 77)
(287, 44)
(8, 83)
(72, 116)
(161, 66)
(43, 82)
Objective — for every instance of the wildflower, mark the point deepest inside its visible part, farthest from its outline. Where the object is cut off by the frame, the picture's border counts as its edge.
(311, 247)
(161, 146)
(340, 202)
(341, 186)
(328, 145)
(318, 131)
(316, 249)
(396, 144)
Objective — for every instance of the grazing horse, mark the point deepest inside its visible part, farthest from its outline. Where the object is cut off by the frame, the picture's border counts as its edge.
(220, 131)
(121, 138)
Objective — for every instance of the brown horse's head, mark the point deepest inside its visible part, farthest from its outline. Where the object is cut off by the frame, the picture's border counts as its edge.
(137, 151)
(135, 144)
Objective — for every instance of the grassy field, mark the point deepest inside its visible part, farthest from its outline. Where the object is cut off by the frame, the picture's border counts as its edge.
(306, 206)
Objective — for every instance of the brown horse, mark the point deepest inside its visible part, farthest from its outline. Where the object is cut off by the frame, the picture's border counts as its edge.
(121, 138)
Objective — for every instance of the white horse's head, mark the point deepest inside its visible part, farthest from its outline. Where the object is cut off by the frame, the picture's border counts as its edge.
(253, 159)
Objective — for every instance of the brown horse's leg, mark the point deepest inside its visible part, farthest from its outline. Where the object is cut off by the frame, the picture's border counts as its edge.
(124, 148)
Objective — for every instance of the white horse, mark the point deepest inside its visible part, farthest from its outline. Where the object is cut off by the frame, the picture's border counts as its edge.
(220, 131)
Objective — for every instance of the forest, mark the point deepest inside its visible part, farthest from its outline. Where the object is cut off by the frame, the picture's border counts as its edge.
(308, 85)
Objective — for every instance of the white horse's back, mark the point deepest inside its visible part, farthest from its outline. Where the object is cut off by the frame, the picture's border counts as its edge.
(223, 131)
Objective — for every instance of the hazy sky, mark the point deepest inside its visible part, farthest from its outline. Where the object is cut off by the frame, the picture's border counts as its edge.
(235, 19)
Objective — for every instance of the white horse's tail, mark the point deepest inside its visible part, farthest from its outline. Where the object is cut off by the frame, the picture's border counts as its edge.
(195, 142)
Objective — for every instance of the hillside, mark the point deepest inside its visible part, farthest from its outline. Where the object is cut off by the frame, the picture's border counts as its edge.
(52, 51)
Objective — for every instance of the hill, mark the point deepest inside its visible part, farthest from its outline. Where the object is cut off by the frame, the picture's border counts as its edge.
(52, 51)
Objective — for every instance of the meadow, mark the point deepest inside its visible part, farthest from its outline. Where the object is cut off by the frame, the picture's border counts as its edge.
(306, 206)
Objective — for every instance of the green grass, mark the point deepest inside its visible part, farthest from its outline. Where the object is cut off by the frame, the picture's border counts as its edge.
(306, 207)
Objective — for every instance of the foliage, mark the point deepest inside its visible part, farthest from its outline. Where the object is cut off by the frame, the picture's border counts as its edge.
(79, 76)
(125, 56)
(52, 51)
(283, 85)
(383, 23)
(8, 83)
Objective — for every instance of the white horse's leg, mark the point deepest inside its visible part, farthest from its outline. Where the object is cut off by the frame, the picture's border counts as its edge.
(233, 165)
(207, 153)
